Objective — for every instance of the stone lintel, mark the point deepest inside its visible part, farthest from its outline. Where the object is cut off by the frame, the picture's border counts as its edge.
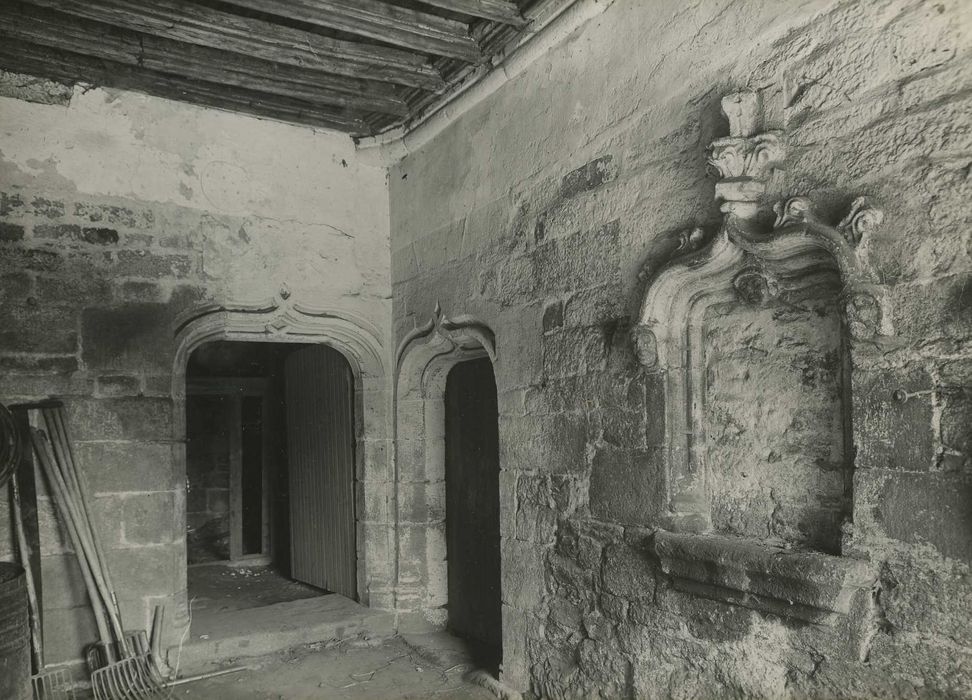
(806, 585)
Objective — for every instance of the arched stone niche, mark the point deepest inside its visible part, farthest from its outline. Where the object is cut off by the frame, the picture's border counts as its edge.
(424, 359)
(731, 320)
(285, 320)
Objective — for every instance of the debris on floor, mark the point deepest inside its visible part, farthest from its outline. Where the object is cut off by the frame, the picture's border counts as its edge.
(220, 587)
(390, 670)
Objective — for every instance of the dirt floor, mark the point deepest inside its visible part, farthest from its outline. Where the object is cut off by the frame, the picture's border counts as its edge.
(424, 666)
(218, 588)
(397, 669)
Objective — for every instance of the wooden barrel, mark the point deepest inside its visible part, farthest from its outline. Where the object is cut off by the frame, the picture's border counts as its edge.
(14, 634)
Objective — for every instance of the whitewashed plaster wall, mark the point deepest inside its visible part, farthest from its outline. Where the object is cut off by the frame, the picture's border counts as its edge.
(269, 203)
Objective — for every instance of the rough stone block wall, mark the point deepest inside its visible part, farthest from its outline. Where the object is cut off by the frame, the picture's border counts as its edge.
(90, 295)
(535, 213)
(786, 480)
(118, 213)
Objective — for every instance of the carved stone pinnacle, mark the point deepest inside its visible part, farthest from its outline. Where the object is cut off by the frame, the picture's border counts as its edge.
(741, 109)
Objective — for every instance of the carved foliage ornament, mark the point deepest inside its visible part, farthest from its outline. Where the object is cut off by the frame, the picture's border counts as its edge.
(753, 157)
(457, 332)
(744, 162)
(861, 220)
(755, 287)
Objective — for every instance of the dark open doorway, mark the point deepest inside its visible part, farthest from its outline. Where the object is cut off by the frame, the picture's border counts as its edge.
(269, 451)
(473, 510)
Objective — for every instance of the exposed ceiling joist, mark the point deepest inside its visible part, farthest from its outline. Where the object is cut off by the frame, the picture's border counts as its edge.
(62, 65)
(190, 23)
(501, 11)
(54, 30)
(416, 31)
(361, 66)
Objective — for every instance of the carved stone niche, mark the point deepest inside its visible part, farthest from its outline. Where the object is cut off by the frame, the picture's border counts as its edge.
(753, 329)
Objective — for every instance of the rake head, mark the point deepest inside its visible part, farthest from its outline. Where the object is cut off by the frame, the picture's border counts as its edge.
(134, 677)
(53, 685)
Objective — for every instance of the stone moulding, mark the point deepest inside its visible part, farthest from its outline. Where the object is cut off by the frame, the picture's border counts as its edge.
(807, 586)
(423, 360)
(748, 261)
(456, 332)
(285, 319)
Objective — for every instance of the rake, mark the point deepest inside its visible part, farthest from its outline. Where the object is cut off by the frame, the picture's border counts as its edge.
(135, 676)
(121, 665)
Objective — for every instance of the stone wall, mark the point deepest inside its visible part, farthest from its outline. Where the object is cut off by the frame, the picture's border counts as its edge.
(784, 481)
(535, 213)
(119, 213)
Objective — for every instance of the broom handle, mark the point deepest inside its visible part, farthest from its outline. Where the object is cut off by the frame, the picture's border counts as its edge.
(54, 417)
(64, 462)
(36, 645)
(59, 497)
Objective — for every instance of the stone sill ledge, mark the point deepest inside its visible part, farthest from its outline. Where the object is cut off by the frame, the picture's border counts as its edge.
(808, 586)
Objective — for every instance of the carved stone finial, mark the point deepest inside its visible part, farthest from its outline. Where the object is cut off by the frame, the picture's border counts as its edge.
(284, 292)
(741, 109)
(745, 159)
(861, 219)
(751, 158)
(744, 164)
(794, 210)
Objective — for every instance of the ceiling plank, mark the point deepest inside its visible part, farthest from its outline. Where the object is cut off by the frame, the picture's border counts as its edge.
(45, 62)
(190, 23)
(494, 10)
(98, 40)
(416, 31)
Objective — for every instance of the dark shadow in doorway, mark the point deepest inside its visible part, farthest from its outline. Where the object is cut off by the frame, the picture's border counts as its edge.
(473, 510)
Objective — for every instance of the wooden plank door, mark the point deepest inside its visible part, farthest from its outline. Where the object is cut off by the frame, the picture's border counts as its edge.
(473, 508)
(320, 449)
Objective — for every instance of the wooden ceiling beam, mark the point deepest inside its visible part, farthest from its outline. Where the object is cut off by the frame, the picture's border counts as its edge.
(199, 25)
(501, 11)
(416, 31)
(52, 29)
(45, 62)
